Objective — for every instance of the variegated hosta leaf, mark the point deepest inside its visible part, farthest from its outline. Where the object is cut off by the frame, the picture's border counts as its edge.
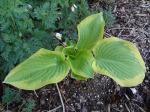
(81, 64)
(120, 60)
(90, 31)
(42, 68)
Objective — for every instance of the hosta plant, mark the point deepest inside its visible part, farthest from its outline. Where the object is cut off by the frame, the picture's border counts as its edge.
(116, 58)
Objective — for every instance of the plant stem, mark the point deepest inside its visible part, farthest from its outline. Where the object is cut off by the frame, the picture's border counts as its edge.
(61, 99)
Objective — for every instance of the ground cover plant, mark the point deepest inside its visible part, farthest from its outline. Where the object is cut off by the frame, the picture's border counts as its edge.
(91, 53)
(13, 96)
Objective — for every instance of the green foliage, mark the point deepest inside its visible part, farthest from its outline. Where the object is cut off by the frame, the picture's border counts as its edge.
(39, 70)
(116, 58)
(11, 96)
(14, 21)
(125, 65)
(109, 17)
(92, 28)
(14, 17)
(47, 14)
(29, 105)
(27, 25)
(81, 65)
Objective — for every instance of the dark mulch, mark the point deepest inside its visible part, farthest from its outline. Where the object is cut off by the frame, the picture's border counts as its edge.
(101, 94)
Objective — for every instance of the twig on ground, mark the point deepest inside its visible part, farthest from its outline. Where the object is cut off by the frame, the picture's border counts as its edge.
(127, 96)
(123, 29)
(108, 107)
(116, 109)
(55, 109)
(35, 93)
(107, 35)
(63, 106)
(142, 110)
(127, 108)
(7, 107)
(141, 15)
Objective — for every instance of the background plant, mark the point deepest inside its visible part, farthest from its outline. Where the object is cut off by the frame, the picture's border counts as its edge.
(11, 96)
(28, 105)
(109, 17)
(14, 96)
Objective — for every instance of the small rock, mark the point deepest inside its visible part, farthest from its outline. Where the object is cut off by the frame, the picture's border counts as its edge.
(134, 91)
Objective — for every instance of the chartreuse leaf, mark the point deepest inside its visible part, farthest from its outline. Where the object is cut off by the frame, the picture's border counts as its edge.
(81, 64)
(59, 48)
(42, 68)
(90, 31)
(120, 60)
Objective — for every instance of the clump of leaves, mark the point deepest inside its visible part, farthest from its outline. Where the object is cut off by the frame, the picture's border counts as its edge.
(28, 105)
(119, 59)
(11, 96)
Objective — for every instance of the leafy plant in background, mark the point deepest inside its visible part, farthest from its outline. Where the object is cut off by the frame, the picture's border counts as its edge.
(109, 17)
(16, 32)
(119, 59)
(11, 96)
(29, 105)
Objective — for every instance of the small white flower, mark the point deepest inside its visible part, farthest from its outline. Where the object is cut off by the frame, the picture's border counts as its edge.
(29, 6)
(58, 36)
(73, 7)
